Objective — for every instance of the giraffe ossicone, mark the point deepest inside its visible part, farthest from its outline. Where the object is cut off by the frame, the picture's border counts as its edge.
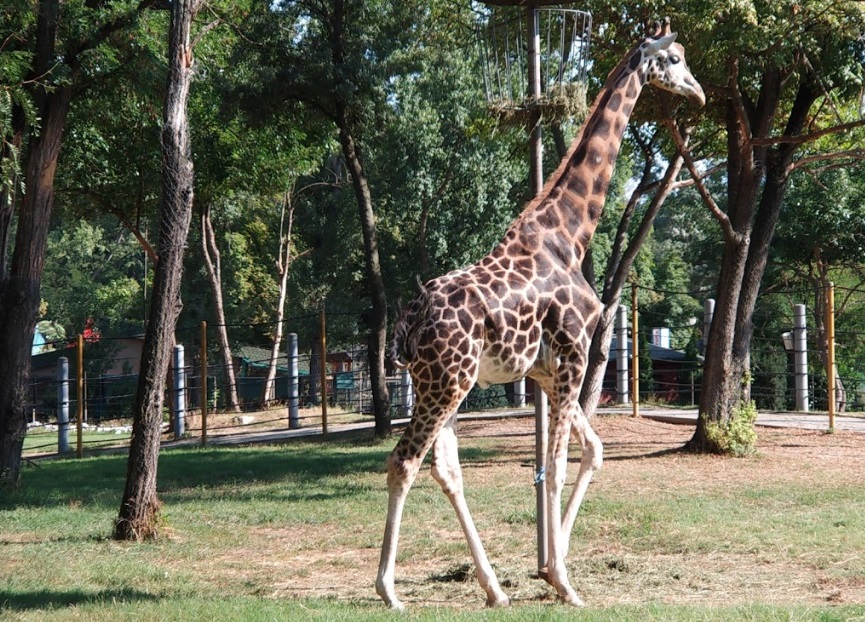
(523, 310)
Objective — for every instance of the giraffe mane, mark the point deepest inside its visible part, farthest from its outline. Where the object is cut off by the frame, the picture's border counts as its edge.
(553, 179)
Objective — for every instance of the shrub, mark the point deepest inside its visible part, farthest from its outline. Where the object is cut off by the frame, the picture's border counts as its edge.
(736, 436)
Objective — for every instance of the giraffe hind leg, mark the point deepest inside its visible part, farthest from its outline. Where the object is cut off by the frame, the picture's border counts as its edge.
(590, 461)
(432, 412)
(447, 472)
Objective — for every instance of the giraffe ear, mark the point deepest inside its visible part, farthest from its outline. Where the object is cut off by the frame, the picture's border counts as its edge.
(661, 44)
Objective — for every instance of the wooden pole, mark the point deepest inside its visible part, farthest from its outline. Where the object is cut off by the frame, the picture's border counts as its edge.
(830, 355)
(322, 326)
(635, 353)
(79, 422)
(203, 383)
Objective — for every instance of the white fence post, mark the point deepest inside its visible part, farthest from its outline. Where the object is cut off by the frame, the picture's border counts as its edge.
(622, 390)
(179, 393)
(62, 405)
(800, 358)
(293, 384)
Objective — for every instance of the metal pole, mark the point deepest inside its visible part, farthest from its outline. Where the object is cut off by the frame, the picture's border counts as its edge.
(179, 393)
(622, 355)
(536, 183)
(800, 358)
(79, 420)
(203, 382)
(62, 405)
(323, 326)
(830, 358)
(520, 393)
(293, 384)
(635, 353)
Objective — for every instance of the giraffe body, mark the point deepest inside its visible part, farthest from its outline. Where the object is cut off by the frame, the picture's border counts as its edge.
(523, 310)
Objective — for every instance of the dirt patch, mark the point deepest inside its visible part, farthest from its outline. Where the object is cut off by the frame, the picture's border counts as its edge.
(641, 459)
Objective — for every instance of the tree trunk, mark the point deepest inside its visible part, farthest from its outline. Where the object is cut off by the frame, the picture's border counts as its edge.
(377, 317)
(20, 288)
(283, 263)
(757, 176)
(214, 271)
(139, 508)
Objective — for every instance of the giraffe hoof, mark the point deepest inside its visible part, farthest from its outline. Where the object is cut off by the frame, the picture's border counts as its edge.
(573, 600)
(389, 599)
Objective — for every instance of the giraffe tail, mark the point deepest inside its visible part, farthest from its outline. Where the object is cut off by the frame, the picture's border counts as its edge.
(403, 346)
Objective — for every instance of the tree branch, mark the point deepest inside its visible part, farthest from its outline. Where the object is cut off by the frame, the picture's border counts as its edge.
(810, 136)
(730, 234)
(853, 154)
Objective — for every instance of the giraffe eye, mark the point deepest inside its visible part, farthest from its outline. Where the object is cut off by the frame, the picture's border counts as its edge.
(675, 60)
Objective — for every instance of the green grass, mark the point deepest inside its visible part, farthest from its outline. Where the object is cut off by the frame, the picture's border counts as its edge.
(239, 523)
(44, 442)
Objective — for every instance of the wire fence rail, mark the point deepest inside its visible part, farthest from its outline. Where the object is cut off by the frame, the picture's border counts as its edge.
(82, 391)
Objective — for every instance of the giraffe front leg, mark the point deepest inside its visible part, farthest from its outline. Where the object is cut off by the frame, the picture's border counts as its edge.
(401, 473)
(557, 463)
(447, 472)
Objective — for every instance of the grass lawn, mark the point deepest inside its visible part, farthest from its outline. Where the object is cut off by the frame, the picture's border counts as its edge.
(292, 532)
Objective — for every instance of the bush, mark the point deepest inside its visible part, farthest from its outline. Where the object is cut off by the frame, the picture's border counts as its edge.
(736, 436)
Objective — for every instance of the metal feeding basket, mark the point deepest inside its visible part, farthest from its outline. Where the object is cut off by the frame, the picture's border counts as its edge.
(562, 37)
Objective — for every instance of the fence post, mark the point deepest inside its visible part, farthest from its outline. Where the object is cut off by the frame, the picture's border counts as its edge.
(293, 384)
(79, 422)
(407, 396)
(520, 393)
(62, 405)
(203, 382)
(800, 358)
(323, 326)
(622, 355)
(635, 352)
(830, 354)
(179, 393)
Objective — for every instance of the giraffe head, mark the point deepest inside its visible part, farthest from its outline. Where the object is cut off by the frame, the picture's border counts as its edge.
(665, 66)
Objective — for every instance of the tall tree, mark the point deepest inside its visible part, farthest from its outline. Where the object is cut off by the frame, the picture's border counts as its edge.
(63, 47)
(139, 507)
(337, 58)
(213, 263)
(781, 79)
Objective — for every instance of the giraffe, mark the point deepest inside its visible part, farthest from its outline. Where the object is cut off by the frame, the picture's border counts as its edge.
(523, 310)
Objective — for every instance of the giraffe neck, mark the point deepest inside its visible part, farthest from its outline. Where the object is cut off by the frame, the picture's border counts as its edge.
(571, 202)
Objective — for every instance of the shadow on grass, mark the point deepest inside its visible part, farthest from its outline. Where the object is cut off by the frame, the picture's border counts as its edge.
(48, 599)
(312, 470)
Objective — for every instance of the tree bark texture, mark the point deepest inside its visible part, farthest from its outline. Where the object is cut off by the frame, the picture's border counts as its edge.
(213, 263)
(20, 287)
(757, 177)
(139, 508)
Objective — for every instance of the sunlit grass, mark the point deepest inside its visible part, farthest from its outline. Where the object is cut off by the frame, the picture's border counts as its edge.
(244, 527)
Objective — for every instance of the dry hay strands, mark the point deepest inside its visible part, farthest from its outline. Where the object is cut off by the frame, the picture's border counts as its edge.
(558, 104)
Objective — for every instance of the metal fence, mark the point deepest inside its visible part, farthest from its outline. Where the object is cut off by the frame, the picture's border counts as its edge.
(789, 352)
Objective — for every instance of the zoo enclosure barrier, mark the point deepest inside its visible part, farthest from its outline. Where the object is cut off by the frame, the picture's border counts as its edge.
(789, 372)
